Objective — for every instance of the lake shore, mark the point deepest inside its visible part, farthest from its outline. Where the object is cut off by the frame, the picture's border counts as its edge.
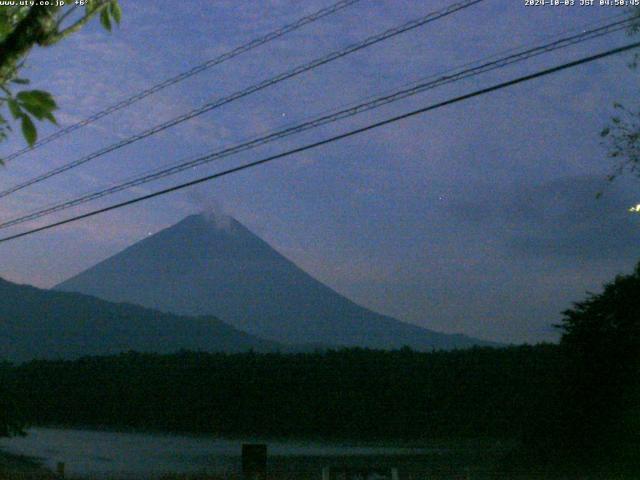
(101, 454)
(18, 467)
(91, 455)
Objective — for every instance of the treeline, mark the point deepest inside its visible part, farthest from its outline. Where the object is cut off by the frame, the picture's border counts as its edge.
(351, 393)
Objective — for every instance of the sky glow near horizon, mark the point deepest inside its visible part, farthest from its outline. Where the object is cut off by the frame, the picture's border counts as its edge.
(479, 218)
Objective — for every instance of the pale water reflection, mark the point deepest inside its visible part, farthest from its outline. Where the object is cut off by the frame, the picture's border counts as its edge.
(130, 455)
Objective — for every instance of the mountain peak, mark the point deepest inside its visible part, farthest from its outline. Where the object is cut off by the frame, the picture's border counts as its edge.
(209, 220)
(198, 240)
(210, 264)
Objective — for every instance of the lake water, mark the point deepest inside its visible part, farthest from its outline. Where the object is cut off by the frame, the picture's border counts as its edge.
(102, 454)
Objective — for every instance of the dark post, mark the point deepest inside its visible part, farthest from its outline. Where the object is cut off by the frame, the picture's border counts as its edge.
(254, 461)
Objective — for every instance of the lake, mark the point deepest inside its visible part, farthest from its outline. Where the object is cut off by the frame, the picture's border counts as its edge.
(102, 454)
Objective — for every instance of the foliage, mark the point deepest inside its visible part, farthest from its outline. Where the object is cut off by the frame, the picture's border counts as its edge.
(37, 323)
(11, 420)
(607, 325)
(602, 342)
(594, 418)
(623, 138)
(354, 393)
(23, 27)
(622, 135)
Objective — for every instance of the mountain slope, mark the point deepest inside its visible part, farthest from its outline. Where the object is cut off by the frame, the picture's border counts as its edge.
(204, 266)
(43, 324)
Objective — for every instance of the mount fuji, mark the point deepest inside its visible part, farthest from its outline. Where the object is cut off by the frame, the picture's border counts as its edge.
(204, 266)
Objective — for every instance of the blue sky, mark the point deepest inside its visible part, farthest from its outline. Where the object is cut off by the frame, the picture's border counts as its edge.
(478, 218)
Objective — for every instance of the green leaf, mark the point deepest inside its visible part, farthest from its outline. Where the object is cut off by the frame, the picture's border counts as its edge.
(21, 81)
(5, 27)
(14, 108)
(37, 98)
(49, 116)
(37, 110)
(29, 130)
(116, 11)
(105, 20)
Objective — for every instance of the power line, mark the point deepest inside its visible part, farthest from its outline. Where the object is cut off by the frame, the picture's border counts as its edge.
(335, 138)
(186, 74)
(248, 91)
(325, 119)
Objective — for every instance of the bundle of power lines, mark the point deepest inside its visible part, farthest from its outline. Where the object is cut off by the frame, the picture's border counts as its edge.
(455, 74)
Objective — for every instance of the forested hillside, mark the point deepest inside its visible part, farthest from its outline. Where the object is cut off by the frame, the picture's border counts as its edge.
(354, 393)
(46, 324)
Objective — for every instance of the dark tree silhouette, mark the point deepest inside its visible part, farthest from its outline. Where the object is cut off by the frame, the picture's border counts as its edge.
(593, 419)
(11, 420)
(601, 337)
(354, 393)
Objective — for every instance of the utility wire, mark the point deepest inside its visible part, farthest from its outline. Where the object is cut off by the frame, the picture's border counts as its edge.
(335, 138)
(248, 91)
(322, 120)
(186, 74)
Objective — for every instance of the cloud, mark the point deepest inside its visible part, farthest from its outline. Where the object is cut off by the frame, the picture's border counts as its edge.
(561, 218)
(211, 207)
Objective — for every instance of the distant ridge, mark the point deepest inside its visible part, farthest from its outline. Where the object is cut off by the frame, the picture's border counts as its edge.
(44, 324)
(213, 265)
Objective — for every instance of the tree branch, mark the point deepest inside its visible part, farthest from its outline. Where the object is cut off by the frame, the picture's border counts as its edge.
(74, 27)
(31, 30)
(65, 15)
